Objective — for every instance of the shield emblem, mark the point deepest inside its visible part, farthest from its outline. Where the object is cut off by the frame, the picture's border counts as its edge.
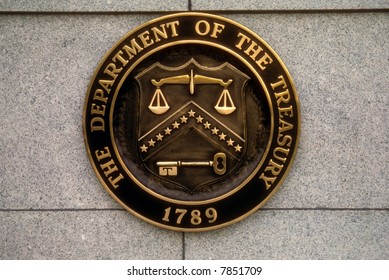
(191, 122)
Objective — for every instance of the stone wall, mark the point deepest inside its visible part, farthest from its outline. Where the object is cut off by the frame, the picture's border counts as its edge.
(334, 203)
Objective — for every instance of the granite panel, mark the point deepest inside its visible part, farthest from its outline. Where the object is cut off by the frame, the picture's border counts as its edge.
(339, 63)
(84, 235)
(292, 234)
(333, 205)
(91, 6)
(183, 5)
(47, 64)
(287, 5)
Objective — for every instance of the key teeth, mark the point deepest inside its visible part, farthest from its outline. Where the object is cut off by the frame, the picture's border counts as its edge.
(168, 170)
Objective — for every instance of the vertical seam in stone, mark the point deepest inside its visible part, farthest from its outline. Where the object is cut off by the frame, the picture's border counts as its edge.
(183, 246)
(190, 5)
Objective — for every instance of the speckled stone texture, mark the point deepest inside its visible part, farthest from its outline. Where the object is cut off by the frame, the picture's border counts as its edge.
(333, 205)
(92, 6)
(249, 5)
(86, 234)
(48, 62)
(339, 63)
(296, 234)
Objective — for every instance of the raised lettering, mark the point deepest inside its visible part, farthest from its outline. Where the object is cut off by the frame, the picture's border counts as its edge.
(285, 111)
(109, 167)
(243, 39)
(98, 110)
(132, 50)
(172, 25)
(268, 180)
(263, 61)
(284, 126)
(112, 70)
(254, 51)
(217, 29)
(274, 168)
(278, 156)
(157, 32)
(281, 82)
(106, 85)
(102, 154)
(121, 59)
(97, 124)
(114, 181)
(283, 140)
(202, 27)
(145, 38)
(99, 95)
(283, 97)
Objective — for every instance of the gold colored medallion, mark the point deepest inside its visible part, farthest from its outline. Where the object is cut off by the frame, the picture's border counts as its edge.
(191, 122)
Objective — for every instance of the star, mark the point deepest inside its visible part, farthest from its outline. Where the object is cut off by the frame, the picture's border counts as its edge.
(159, 137)
(230, 142)
(143, 148)
(184, 119)
(238, 148)
(199, 119)
(207, 125)
(222, 136)
(167, 131)
(191, 113)
(151, 143)
(214, 130)
(176, 125)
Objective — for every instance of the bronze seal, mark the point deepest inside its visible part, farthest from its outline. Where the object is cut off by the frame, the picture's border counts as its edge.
(191, 121)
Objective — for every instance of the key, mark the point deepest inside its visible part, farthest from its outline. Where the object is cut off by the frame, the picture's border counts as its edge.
(170, 168)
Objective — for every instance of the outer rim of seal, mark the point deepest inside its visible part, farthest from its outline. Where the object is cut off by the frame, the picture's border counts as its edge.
(86, 136)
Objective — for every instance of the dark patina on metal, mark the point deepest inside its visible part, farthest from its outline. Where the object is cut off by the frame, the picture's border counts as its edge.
(191, 121)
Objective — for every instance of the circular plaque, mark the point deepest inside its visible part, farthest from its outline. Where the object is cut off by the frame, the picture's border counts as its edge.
(191, 121)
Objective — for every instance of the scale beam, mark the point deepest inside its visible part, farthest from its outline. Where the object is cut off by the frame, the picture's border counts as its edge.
(191, 80)
(224, 105)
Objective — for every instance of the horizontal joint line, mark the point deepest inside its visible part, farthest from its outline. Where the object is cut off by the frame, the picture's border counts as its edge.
(260, 11)
(119, 209)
